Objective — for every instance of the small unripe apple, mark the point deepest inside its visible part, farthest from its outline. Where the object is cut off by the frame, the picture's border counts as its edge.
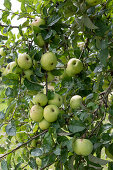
(38, 161)
(2, 52)
(27, 74)
(37, 22)
(40, 99)
(44, 124)
(74, 66)
(57, 100)
(76, 102)
(82, 147)
(93, 2)
(24, 61)
(36, 113)
(51, 113)
(40, 41)
(48, 61)
(9, 68)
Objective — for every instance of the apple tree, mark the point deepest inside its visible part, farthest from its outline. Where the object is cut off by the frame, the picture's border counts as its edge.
(56, 103)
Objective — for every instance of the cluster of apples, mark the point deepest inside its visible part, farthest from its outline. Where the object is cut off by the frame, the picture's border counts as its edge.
(45, 111)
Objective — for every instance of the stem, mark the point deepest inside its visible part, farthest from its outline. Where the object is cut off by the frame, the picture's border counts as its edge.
(18, 147)
(8, 26)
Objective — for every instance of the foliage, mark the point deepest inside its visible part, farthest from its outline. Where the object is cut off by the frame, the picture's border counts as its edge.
(73, 29)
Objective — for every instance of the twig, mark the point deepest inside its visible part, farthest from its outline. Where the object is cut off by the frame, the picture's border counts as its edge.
(18, 147)
(2, 25)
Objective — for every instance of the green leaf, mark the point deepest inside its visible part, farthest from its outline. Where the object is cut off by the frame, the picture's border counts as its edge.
(57, 72)
(53, 20)
(76, 126)
(11, 79)
(97, 160)
(25, 24)
(32, 163)
(2, 150)
(88, 23)
(32, 85)
(9, 92)
(2, 115)
(103, 56)
(37, 152)
(57, 151)
(11, 129)
(4, 165)
(7, 4)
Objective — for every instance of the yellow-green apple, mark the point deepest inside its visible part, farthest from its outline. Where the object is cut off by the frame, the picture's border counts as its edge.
(36, 113)
(37, 23)
(9, 68)
(44, 124)
(24, 61)
(48, 61)
(109, 150)
(51, 113)
(76, 102)
(57, 100)
(82, 147)
(93, 2)
(40, 40)
(40, 99)
(27, 74)
(2, 52)
(38, 161)
(74, 66)
(50, 77)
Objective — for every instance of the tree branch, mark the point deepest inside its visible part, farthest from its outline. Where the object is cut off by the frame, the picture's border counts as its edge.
(18, 147)
(2, 25)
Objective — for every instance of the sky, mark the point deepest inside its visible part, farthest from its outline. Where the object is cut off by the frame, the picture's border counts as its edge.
(15, 7)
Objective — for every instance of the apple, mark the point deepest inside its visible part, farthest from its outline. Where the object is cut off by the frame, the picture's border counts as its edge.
(48, 61)
(24, 61)
(38, 161)
(44, 124)
(82, 147)
(50, 77)
(107, 151)
(27, 74)
(76, 102)
(51, 113)
(37, 22)
(40, 99)
(74, 66)
(36, 113)
(9, 68)
(93, 2)
(2, 52)
(40, 41)
(57, 100)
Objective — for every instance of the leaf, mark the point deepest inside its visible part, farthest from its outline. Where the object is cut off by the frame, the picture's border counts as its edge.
(97, 160)
(2, 115)
(4, 165)
(57, 151)
(25, 24)
(2, 150)
(103, 56)
(90, 96)
(9, 92)
(32, 163)
(11, 79)
(57, 72)
(7, 4)
(53, 20)
(11, 129)
(76, 126)
(32, 85)
(37, 152)
(88, 23)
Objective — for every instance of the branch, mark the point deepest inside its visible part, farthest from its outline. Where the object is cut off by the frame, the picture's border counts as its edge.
(2, 25)
(18, 147)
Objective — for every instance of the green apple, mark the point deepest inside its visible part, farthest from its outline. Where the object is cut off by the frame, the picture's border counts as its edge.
(9, 68)
(82, 147)
(24, 61)
(50, 77)
(40, 99)
(76, 102)
(57, 100)
(74, 66)
(27, 74)
(44, 124)
(51, 113)
(108, 151)
(2, 52)
(37, 22)
(48, 61)
(93, 2)
(36, 113)
(40, 40)
(38, 161)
